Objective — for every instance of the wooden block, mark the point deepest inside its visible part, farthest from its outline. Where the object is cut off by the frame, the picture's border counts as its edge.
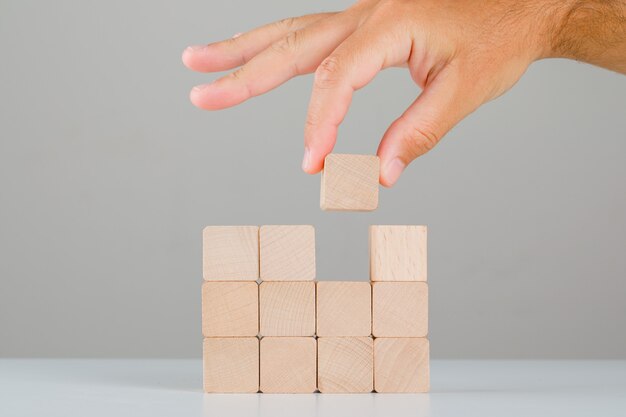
(230, 253)
(345, 364)
(350, 182)
(287, 253)
(397, 253)
(231, 364)
(230, 309)
(399, 309)
(401, 365)
(288, 364)
(344, 308)
(287, 308)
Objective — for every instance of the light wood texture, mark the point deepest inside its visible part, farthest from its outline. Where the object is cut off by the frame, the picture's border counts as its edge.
(230, 309)
(397, 253)
(350, 182)
(287, 308)
(401, 365)
(287, 253)
(344, 308)
(288, 364)
(231, 364)
(345, 364)
(230, 253)
(399, 309)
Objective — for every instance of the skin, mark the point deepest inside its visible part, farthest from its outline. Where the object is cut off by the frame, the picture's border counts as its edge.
(461, 54)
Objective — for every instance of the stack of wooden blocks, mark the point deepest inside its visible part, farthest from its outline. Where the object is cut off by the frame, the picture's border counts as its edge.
(268, 326)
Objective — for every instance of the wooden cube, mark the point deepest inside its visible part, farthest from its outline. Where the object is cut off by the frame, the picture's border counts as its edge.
(399, 309)
(230, 253)
(287, 308)
(401, 365)
(350, 182)
(231, 364)
(288, 364)
(345, 364)
(397, 253)
(344, 308)
(230, 309)
(287, 253)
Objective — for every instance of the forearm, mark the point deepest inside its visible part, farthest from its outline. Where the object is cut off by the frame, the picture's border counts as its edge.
(592, 31)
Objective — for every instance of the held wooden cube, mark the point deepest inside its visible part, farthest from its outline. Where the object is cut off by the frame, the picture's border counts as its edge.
(401, 365)
(350, 182)
(397, 253)
(399, 309)
(344, 308)
(345, 364)
(287, 308)
(288, 364)
(287, 253)
(231, 364)
(230, 253)
(230, 309)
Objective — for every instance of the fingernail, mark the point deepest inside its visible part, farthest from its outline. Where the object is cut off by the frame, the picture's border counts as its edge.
(200, 87)
(306, 161)
(393, 170)
(196, 48)
(238, 34)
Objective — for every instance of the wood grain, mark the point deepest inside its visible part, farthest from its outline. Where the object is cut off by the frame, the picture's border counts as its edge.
(287, 308)
(288, 364)
(401, 365)
(230, 309)
(350, 182)
(287, 253)
(345, 364)
(344, 308)
(399, 309)
(398, 253)
(231, 364)
(230, 253)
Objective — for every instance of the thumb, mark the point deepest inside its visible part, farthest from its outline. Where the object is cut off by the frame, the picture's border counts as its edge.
(442, 104)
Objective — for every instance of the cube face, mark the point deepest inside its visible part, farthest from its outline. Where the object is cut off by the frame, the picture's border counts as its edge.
(401, 365)
(398, 253)
(230, 253)
(230, 309)
(344, 308)
(287, 253)
(345, 364)
(350, 182)
(287, 308)
(399, 309)
(288, 365)
(231, 364)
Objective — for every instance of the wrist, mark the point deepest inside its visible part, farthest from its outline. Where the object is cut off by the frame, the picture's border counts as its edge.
(551, 21)
(586, 30)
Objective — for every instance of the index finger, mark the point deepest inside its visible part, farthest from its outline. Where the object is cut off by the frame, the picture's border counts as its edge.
(350, 67)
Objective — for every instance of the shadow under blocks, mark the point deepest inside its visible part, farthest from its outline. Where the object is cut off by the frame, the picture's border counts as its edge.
(270, 327)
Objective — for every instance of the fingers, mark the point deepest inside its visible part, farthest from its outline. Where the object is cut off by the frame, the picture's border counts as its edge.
(442, 104)
(234, 52)
(350, 67)
(297, 53)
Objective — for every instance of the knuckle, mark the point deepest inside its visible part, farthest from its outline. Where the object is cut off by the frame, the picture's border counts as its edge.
(420, 139)
(286, 23)
(288, 44)
(327, 74)
(238, 74)
(312, 120)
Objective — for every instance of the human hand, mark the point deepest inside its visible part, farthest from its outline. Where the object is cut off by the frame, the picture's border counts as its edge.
(461, 53)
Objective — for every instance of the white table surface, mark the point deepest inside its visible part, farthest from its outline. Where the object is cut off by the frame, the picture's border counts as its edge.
(111, 387)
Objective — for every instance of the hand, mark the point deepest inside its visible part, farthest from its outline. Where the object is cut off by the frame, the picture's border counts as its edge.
(461, 53)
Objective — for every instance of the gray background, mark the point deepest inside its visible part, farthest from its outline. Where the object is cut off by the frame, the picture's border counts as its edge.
(108, 174)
